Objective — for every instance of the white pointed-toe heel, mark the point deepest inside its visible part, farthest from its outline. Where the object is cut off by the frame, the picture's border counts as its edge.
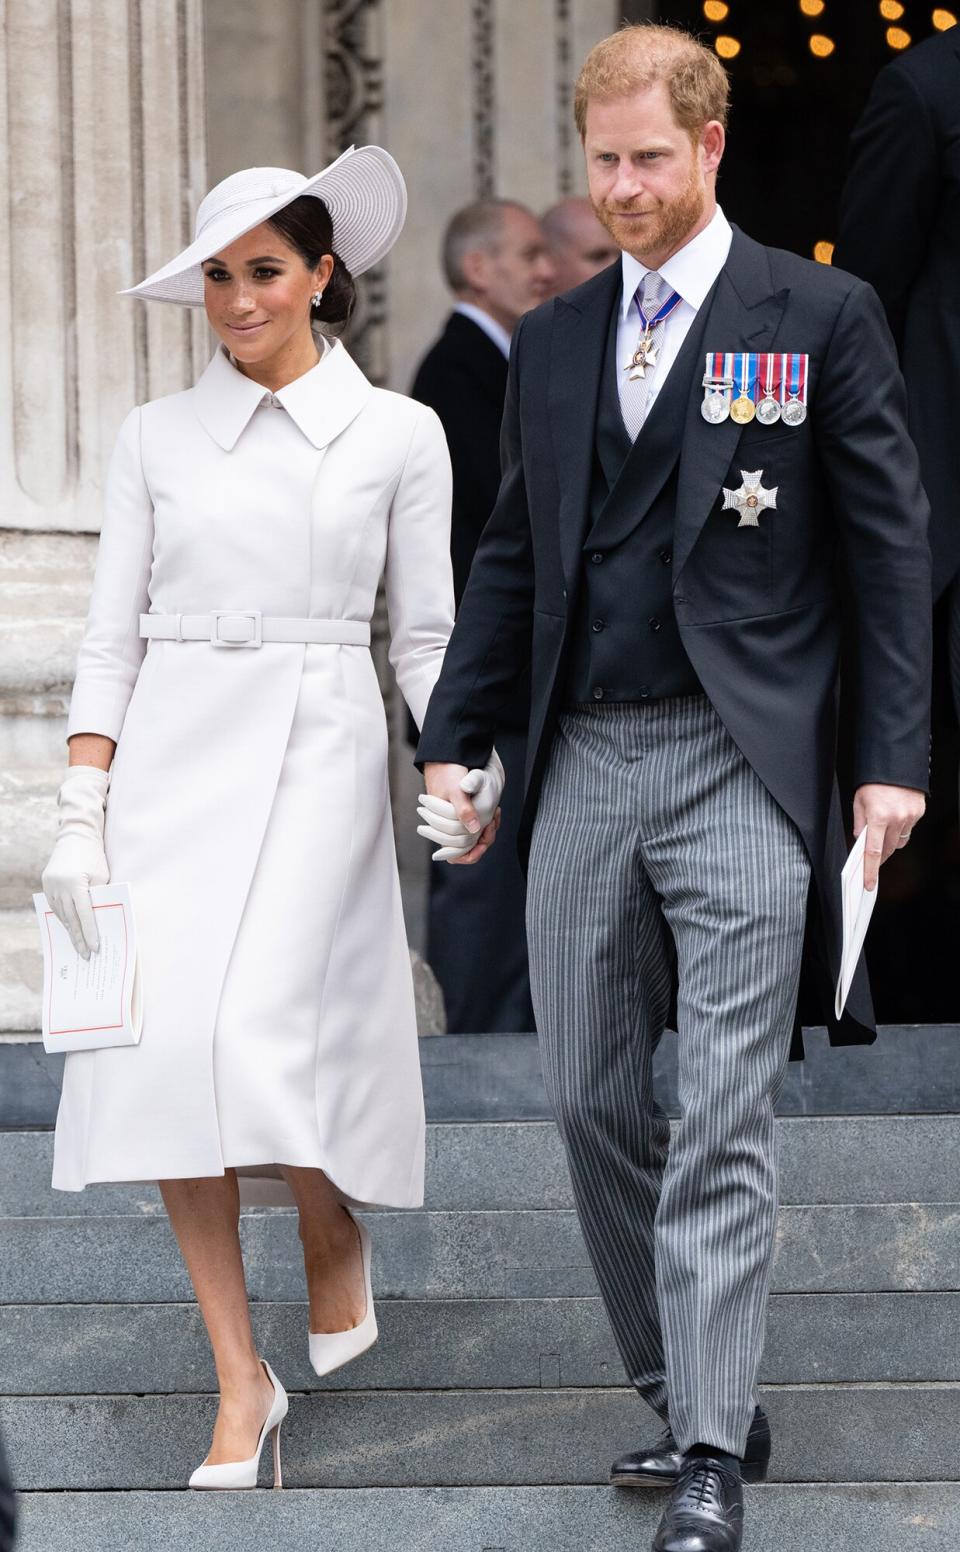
(243, 1473)
(330, 1350)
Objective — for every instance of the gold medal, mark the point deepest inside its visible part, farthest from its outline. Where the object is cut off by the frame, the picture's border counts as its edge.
(743, 409)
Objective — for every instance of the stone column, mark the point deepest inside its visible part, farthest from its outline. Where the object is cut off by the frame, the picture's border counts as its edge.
(100, 172)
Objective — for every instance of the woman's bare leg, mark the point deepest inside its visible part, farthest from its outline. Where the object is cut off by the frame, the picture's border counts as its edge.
(331, 1252)
(205, 1217)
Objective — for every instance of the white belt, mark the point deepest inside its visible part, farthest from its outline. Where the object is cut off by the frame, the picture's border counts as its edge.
(249, 628)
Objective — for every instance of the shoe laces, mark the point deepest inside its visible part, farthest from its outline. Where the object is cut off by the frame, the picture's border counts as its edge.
(701, 1487)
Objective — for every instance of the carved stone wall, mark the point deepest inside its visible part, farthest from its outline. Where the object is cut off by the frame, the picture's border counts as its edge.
(101, 166)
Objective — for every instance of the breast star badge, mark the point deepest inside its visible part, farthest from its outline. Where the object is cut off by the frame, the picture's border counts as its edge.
(751, 499)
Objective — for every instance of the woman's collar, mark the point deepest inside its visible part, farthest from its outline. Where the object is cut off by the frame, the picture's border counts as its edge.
(321, 403)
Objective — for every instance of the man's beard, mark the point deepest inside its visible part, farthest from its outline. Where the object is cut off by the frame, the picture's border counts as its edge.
(665, 229)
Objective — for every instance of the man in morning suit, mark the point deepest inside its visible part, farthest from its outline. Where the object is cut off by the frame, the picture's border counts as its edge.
(706, 474)
(496, 264)
(900, 229)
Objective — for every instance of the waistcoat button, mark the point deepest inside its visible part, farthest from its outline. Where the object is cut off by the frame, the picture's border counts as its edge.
(596, 557)
(654, 624)
(598, 625)
(597, 693)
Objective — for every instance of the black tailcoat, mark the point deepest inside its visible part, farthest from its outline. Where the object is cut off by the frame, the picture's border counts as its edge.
(759, 610)
(900, 229)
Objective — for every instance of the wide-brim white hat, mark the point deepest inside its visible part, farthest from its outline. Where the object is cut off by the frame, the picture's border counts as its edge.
(363, 190)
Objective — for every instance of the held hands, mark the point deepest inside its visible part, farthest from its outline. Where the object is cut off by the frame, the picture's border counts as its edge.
(463, 829)
(78, 858)
(889, 815)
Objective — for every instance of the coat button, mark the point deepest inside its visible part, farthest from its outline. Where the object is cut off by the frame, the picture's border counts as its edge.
(644, 692)
(664, 557)
(597, 693)
(654, 624)
(597, 557)
(598, 625)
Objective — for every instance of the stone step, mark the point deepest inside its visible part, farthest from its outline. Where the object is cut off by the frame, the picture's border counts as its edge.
(878, 1517)
(911, 1069)
(520, 1164)
(463, 1344)
(436, 1255)
(855, 1433)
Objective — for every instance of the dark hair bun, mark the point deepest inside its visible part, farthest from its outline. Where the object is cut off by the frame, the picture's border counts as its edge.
(339, 297)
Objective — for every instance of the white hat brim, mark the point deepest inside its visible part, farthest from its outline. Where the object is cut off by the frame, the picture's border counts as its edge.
(364, 192)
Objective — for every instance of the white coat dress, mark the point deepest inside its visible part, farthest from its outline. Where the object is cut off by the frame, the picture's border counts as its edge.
(248, 806)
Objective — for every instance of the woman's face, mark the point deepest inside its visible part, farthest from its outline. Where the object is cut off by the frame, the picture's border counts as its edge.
(257, 294)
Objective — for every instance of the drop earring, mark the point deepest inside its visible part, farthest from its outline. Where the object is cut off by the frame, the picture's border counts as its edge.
(316, 298)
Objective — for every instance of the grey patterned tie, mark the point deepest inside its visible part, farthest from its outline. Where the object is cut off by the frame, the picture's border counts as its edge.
(635, 391)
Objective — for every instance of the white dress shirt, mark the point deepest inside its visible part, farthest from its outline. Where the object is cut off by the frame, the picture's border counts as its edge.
(491, 328)
(692, 271)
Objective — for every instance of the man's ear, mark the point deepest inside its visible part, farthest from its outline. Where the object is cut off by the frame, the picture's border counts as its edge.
(476, 269)
(713, 140)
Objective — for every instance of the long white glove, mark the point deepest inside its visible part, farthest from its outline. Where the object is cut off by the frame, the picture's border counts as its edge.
(439, 818)
(78, 858)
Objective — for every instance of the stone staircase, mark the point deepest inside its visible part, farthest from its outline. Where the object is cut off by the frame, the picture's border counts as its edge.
(486, 1417)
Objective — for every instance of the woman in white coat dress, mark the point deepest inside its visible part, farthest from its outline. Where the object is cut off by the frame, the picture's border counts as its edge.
(225, 684)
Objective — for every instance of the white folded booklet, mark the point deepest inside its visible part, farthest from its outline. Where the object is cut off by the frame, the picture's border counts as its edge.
(858, 904)
(91, 1003)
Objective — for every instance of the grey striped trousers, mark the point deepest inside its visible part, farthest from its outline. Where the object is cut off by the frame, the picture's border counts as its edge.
(656, 845)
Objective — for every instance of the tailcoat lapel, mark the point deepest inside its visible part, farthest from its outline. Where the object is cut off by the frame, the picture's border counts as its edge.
(577, 346)
(743, 315)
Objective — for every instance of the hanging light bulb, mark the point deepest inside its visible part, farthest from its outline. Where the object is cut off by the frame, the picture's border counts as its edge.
(897, 38)
(823, 252)
(891, 10)
(821, 45)
(813, 7)
(726, 47)
(715, 10)
(943, 19)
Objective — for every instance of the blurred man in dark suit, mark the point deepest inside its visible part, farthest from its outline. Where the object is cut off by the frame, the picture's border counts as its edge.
(496, 264)
(900, 229)
(580, 246)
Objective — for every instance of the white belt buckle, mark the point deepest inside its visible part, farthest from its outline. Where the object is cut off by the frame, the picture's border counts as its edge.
(228, 622)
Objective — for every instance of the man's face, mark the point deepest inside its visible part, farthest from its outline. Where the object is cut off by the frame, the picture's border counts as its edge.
(584, 249)
(517, 273)
(648, 181)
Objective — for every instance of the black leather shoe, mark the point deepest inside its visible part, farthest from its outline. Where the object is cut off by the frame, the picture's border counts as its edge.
(659, 1466)
(705, 1512)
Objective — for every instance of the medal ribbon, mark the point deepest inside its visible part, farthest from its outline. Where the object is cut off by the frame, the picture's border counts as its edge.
(794, 379)
(747, 375)
(673, 301)
(719, 367)
(768, 364)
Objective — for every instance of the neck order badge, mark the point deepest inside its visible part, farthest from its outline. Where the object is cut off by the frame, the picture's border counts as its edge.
(646, 352)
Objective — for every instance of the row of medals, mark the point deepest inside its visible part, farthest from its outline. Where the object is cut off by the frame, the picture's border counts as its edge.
(719, 404)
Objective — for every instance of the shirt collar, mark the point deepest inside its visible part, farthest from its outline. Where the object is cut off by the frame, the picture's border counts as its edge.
(491, 328)
(691, 271)
(321, 403)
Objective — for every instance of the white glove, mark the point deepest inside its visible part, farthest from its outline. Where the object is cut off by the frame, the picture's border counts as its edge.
(440, 822)
(78, 858)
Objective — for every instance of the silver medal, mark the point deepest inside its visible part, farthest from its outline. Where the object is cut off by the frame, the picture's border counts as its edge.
(794, 412)
(768, 410)
(715, 406)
